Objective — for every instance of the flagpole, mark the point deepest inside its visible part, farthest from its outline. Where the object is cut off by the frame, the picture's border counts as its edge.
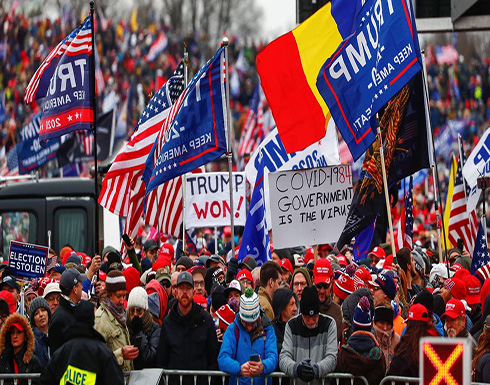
(229, 153)
(433, 166)
(94, 109)
(387, 197)
(184, 178)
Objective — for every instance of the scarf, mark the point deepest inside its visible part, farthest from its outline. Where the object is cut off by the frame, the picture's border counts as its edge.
(147, 320)
(117, 311)
(387, 341)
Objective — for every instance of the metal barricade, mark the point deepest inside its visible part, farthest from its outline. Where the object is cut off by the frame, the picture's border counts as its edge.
(332, 378)
(20, 376)
(399, 379)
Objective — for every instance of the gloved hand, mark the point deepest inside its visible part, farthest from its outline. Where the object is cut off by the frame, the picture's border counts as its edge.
(232, 269)
(305, 371)
(137, 324)
(316, 370)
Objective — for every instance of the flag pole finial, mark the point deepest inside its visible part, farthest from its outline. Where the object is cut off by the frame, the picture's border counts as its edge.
(225, 42)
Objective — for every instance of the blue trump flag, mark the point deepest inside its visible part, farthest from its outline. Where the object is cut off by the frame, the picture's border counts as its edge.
(480, 253)
(193, 134)
(369, 68)
(255, 240)
(63, 80)
(30, 152)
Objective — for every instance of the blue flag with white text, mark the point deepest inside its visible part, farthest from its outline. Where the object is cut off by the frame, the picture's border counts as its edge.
(31, 154)
(369, 68)
(480, 253)
(255, 240)
(194, 132)
(63, 80)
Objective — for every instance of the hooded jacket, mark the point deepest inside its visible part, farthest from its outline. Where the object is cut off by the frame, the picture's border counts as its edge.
(85, 352)
(279, 303)
(362, 356)
(26, 360)
(235, 352)
(154, 287)
(318, 344)
(116, 336)
(188, 342)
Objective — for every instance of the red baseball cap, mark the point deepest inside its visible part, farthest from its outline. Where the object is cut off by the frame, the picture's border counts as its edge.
(456, 287)
(286, 264)
(310, 255)
(418, 312)
(378, 252)
(342, 260)
(245, 274)
(473, 290)
(454, 309)
(365, 276)
(388, 263)
(322, 271)
(167, 249)
(18, 326)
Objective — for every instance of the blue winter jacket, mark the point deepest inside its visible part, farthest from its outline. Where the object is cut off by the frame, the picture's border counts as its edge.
(232, 357)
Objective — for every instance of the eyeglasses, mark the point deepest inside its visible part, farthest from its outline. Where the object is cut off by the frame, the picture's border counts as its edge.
(136, 310)
(199, 283)
(300, 284)
(322, 285)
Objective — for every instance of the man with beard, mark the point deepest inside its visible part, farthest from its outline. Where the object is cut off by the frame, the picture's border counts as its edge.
(188, 337)
(407, 264)
(309, 349)
(454, 319)
(323, 276)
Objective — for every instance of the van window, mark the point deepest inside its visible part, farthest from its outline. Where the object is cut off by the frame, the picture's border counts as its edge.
(71, 228)
(17, 226)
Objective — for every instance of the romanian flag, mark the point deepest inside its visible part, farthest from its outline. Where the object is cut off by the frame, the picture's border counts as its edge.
(288, 68)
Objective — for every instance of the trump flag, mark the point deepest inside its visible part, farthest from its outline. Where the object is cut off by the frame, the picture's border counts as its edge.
(63, 80)
(369, 68)
(194, 132)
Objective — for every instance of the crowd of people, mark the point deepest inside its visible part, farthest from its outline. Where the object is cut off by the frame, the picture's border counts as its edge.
(300, 314)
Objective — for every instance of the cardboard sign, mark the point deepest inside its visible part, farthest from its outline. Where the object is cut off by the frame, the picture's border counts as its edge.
(309, 207)
(207, 199)
(27, 261)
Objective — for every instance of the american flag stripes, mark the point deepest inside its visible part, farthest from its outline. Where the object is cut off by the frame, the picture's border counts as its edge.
(462, 224)
(480, 253)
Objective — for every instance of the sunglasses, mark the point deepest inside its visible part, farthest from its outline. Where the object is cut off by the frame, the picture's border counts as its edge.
(137, 310)
(322, 285)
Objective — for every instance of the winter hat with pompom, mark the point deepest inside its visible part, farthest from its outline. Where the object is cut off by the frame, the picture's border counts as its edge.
(249, 306)
(362, 316)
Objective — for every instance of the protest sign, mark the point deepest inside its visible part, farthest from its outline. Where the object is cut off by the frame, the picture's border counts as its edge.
(207, 199)
(27, 261)
(309, 206)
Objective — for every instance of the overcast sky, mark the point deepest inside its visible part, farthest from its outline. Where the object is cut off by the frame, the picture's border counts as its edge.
(279, 17)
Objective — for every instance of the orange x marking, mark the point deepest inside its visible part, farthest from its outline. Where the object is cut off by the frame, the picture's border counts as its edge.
(443, 368)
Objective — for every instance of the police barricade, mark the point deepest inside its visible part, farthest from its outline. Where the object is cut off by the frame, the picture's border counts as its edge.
(18, 376)
(391, 380)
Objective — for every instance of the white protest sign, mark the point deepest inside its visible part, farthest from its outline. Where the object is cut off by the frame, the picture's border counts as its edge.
(325, 152)
(478, 164)
(309, 207)
(207, 199)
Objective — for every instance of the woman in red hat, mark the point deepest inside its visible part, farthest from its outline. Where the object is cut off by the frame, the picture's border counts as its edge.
(17, 347)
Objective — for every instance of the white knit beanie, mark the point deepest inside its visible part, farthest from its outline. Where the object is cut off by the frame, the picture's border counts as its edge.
(249, 306)
(138, 297)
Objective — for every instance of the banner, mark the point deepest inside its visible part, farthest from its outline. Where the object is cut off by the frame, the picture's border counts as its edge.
(31, 154)
(27, 261)
(369, 68)
(447, 137)
(309, 207)
(207, 199)
(477, 165)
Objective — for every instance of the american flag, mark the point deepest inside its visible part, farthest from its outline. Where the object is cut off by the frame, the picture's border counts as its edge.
(480, 253)
(157, 47)
(258, 123)
(11, 165)
(462, 224)
(130, 163)
(87, 139)
(405, 236)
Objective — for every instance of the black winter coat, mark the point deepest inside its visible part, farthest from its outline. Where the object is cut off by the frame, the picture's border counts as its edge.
(85, 352)
(61, 319)
(188, 342)
(147, 357)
